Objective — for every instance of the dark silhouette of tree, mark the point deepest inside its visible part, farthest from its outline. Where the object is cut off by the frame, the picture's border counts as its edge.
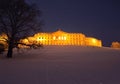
(2, 48)
(18, 20)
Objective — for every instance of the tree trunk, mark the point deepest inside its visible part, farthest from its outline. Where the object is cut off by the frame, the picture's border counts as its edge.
(10, 50)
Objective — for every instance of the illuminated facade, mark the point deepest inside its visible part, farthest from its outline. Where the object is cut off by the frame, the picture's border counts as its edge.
(63, 38)
(3, 38)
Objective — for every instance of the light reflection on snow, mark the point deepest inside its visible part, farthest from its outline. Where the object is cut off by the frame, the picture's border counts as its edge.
(62, 65)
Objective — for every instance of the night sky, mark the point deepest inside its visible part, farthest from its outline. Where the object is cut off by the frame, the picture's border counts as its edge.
(94, 18)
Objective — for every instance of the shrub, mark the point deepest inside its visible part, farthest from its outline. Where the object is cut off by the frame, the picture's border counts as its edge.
(115, 45)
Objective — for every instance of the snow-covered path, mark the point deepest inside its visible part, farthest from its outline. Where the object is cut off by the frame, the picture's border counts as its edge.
(62, 65)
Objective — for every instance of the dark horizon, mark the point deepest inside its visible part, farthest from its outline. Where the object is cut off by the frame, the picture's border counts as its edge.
(99, 19)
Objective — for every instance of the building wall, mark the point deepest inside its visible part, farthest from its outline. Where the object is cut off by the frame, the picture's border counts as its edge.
(63, 38)
(90, 41)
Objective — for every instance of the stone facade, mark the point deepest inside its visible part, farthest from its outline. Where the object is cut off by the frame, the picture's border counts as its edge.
(63, 38)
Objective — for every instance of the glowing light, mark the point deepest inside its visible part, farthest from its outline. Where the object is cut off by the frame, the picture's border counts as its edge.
(64, 38)
(54, 38)
(59, 38)
(94, 40)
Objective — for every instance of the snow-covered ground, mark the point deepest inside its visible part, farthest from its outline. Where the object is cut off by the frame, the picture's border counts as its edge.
(62, 65)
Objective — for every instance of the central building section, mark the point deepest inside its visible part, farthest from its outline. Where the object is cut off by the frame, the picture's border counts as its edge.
(63, 38)
(59, 38)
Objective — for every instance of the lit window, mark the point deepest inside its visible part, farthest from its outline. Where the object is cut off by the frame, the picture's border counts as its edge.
(64, 38)
(40, 38)
(54, 38)
(59, 38)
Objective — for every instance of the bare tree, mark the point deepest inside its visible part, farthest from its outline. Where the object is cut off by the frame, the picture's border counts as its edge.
(18, 20)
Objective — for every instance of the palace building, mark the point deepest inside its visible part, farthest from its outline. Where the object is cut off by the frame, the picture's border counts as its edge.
(60, 37)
